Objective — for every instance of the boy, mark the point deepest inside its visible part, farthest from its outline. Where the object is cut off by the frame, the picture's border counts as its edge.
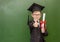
(36, 31)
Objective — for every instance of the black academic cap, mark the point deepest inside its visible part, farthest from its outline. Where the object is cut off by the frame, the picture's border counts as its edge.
(35, 7)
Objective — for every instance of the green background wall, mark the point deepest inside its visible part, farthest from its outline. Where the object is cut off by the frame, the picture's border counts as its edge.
(13, 20)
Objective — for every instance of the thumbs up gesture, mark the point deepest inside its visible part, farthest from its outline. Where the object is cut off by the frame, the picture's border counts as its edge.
(35, 24)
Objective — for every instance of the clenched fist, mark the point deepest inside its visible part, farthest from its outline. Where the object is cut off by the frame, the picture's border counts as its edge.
(35, 24)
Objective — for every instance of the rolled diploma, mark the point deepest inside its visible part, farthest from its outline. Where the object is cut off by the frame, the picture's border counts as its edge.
(43, 23)
(44, 16)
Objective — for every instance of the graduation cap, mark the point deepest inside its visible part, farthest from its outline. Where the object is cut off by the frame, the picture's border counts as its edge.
(35, 7)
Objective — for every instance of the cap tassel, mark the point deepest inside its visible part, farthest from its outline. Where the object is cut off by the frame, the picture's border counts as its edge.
(28, 20)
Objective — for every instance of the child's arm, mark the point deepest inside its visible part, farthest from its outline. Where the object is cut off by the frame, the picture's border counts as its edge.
(43, 26)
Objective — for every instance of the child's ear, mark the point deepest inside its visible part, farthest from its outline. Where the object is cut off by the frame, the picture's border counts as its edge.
(41, 15)
(32, 15)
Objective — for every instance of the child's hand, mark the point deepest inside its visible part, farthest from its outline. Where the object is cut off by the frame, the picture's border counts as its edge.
(42, 28)
(36, 24)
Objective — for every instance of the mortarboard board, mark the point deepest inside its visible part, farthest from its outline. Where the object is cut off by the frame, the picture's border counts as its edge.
(35, 7)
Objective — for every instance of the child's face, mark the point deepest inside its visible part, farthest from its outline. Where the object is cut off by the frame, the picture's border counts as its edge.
(36, 15)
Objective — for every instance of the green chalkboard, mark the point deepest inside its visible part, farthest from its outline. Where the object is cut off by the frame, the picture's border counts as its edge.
(13, 20)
